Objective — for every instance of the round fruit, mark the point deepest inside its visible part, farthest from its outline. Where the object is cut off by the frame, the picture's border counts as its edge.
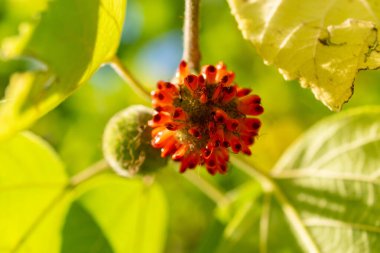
(126, 143)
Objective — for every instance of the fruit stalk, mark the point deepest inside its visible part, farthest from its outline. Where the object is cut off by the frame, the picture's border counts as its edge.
(191, 52)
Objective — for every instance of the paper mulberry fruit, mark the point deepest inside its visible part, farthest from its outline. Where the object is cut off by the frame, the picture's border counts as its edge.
(126, 143)
(200, 118)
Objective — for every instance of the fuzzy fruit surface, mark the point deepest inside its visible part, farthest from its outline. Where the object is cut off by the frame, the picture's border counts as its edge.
(200, 118)
(126, 143)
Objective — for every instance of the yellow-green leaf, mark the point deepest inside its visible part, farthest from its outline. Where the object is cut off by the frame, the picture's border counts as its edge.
(322, 196)
(43, 211)
(131, 214)
(15, 12)
(322, 43)
(69, 42)
(32, 199)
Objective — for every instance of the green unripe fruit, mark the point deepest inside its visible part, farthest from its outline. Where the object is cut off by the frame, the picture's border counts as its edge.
(126, 143)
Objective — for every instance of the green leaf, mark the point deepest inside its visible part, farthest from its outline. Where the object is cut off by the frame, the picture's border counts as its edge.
(331, 176)
(13, 13)
(322, 43)
(32, 181)
(107, 213)
(69, 43)
(322, 196)
(131, 214)
(81, 233)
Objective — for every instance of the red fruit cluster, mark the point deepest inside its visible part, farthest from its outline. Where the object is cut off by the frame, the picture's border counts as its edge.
(200, 118)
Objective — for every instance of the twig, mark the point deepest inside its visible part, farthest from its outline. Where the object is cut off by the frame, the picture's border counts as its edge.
(191, 52)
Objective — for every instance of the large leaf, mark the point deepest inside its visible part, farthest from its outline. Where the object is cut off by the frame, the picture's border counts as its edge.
(42, 211)
(70, 41)
(131, 214)
(322, 43)
(322, 196)
(32, 200)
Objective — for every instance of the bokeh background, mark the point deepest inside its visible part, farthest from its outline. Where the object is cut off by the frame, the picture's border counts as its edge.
(151, 47)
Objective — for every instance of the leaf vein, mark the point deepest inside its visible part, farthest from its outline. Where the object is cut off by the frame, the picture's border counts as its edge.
(314, 173)
(323, 222)
(109, 13)
(270, 18)
(343, 149)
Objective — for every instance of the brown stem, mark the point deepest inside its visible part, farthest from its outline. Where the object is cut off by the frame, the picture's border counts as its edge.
(191, 52)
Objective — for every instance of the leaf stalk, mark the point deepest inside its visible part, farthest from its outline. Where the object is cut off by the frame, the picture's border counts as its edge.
(124, 73)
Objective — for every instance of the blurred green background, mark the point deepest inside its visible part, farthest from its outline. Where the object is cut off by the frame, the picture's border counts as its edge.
(151, 47)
